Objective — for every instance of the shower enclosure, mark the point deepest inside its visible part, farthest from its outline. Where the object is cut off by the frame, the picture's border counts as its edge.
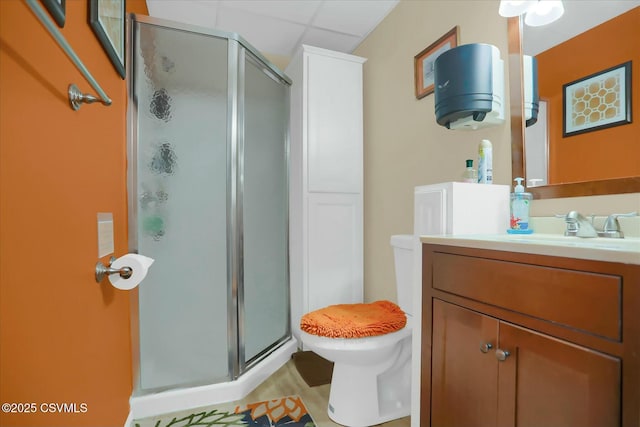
(208, 200)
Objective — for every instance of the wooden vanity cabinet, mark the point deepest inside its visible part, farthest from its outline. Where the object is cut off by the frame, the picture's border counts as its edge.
(511, 339)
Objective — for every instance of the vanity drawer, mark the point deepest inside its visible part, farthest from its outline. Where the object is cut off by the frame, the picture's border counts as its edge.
(587, 301)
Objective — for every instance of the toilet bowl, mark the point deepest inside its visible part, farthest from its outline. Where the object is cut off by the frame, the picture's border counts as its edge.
(371, 381)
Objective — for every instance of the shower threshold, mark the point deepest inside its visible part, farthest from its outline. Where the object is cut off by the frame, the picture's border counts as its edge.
(194, 397)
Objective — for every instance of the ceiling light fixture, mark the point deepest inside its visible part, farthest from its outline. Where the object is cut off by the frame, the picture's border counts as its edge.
(509, 8)
(538, 12)
(544, 12)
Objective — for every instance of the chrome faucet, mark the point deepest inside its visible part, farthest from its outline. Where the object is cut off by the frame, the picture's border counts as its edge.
(578, 225)
(612, 226)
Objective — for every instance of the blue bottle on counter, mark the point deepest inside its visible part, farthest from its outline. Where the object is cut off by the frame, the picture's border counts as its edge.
(520, 201)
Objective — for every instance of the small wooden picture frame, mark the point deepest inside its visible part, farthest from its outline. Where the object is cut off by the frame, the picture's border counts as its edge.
(424, 62)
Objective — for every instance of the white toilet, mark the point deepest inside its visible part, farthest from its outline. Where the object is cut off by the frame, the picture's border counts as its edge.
(371, 381)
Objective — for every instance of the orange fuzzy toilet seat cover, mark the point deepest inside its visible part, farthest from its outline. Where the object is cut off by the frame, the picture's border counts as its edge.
(354, 320)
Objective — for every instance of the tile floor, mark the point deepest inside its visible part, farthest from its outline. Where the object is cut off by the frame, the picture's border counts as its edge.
(286, 381)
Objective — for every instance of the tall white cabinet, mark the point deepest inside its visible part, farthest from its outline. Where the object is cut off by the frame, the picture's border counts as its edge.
(326, 226)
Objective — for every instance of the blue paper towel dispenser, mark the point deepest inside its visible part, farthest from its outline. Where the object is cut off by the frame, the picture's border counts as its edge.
(469, 87)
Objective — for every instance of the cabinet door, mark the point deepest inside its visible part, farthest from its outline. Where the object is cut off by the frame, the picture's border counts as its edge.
(464, 377)
(334, 250)
(334, 124)
(548, 382)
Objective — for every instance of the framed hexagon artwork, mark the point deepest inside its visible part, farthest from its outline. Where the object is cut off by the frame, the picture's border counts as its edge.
(599, 101)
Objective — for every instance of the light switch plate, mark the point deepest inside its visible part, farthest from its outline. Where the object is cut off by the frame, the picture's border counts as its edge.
(105, 234)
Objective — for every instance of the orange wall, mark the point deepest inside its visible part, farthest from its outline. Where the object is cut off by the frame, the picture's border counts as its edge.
(64, 338)
(607, 153)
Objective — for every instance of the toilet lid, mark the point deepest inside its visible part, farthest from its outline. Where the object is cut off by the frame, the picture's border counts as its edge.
(354, 320)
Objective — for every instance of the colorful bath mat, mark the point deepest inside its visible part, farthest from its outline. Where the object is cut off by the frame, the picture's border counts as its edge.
(286, 411)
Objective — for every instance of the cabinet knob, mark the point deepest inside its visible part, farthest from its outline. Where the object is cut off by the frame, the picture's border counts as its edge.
(485, 347)
(502, 355)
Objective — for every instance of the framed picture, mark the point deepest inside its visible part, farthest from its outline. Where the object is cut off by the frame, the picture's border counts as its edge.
(601, 100)
(56, 9)
(424, 62)
(107, 20)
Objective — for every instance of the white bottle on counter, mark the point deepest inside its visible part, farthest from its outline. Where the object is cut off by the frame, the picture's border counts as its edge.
(485, 162)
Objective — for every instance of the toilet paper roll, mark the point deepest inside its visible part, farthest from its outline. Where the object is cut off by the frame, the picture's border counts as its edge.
(138, 263)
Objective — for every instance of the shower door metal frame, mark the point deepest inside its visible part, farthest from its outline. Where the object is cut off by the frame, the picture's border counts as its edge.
(235, 134)
(244, 53)
(237, 49)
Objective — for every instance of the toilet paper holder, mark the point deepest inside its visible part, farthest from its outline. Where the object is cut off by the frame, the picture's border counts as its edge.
(102, 270)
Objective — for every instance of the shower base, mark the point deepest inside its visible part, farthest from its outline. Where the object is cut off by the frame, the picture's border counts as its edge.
(194, 397)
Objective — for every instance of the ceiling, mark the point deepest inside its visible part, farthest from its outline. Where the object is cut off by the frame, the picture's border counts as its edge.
(579, 16)
(278, 27)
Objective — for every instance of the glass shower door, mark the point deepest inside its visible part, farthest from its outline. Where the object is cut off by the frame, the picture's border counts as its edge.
(181, 205)
(264, 299)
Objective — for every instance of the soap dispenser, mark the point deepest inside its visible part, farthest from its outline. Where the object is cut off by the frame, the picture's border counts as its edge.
(520, 201)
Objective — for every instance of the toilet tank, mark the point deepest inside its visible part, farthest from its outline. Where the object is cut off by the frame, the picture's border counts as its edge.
(403, 256)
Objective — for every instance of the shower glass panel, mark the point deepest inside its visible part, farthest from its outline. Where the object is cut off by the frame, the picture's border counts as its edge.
(264, 210)
(208, 200)
(182, 205)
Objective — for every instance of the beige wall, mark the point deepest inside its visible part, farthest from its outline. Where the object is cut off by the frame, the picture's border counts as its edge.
(280, 61)
(403, 145)
(599, 205)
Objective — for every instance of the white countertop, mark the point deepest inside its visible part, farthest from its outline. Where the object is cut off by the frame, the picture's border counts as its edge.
(626, 250)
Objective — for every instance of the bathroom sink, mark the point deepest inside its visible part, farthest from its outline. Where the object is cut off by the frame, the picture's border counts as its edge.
(626, 250)
(626, 244)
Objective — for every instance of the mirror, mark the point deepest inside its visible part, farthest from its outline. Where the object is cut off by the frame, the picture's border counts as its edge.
(599, 184)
